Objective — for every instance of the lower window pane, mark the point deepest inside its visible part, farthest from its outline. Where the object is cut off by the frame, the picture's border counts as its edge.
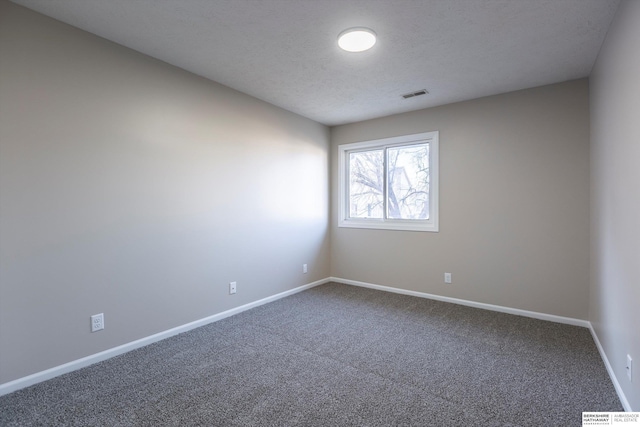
(366, 184)
(408, 182)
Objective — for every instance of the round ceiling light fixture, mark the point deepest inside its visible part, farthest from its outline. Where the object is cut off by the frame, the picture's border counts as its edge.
(357, 39)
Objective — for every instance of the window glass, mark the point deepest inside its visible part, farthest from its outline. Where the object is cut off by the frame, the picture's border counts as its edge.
(408, 182)
(366, 184)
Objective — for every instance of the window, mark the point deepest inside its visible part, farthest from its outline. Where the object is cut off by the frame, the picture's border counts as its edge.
(390, 183)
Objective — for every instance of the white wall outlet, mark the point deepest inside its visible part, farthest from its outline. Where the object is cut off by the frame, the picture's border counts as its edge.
(629, 366)
(447, 277)
(305, 270)
(232, 288)
(97, 322)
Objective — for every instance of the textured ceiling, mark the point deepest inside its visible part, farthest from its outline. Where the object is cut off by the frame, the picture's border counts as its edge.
(285, 51)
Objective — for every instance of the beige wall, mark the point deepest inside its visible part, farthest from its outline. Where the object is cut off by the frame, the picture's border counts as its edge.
(133, 188)
(514, 204)
(615, 183)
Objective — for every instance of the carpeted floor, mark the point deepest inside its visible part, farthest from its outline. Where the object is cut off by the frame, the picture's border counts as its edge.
(338, 355)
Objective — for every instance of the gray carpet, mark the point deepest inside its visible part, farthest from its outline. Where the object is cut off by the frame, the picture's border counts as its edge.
(338, 355)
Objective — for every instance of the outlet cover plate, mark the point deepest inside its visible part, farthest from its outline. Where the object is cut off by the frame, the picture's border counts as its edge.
(97, 322)
(232, 288)
(629, 366)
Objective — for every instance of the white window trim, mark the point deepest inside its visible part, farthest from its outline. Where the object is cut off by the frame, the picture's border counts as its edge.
(391, 224)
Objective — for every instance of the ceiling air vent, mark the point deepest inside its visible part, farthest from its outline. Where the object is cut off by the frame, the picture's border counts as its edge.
(416, 93)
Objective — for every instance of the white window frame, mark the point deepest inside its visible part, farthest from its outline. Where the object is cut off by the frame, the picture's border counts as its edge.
(430, 224)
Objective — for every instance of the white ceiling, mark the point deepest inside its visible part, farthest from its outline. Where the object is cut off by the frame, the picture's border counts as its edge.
(285, 51)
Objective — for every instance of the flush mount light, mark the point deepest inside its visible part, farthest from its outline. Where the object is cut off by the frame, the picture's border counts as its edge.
(357, 39)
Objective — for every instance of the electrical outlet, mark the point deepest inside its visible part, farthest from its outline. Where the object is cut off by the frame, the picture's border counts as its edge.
(629, 366)
(447, 277)
(232, 288)
(97, 322)
(305, 270)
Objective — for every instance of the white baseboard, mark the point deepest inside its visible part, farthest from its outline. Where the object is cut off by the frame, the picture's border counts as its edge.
(612, 375)
(38, 377)
(491, 307)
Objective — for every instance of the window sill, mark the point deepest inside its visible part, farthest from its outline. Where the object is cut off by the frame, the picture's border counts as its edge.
(405, 225)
